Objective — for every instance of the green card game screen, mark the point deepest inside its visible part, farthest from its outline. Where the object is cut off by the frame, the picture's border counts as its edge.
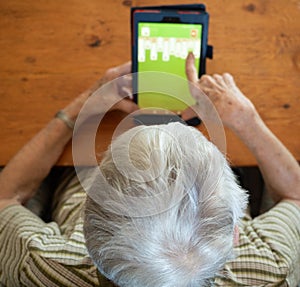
(164, 47)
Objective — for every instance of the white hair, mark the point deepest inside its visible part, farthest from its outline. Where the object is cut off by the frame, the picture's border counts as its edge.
(179, 229)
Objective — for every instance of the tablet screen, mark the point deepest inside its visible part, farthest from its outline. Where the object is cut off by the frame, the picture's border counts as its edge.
(164, 47)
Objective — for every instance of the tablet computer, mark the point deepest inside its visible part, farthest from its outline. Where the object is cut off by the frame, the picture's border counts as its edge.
(162, 37)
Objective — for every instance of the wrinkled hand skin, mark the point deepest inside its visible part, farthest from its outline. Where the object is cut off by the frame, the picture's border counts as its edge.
(119, 91)
(106, 96)
(234, 109)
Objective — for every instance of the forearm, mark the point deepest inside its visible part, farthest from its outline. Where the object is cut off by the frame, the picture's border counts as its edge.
(279, 168)
(26, 170)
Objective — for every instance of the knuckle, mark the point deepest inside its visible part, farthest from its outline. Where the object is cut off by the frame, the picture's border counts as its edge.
(205, 78)
(228, 76)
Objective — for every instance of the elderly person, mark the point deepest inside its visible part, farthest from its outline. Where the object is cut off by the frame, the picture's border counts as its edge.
(195, 234)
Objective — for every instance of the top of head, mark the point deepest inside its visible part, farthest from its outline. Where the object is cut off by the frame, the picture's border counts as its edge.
(164, 211)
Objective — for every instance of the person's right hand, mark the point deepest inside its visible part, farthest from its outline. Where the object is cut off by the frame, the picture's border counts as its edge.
(235, 110)
(117, 95)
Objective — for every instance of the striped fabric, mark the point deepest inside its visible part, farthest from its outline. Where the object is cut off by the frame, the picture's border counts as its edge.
(34, 253)
(268, 253)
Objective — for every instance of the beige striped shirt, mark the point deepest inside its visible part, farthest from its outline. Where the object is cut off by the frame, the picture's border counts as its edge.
(268, 253)
(35, 253)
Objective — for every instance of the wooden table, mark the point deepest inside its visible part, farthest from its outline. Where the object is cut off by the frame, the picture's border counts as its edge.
(52, 50)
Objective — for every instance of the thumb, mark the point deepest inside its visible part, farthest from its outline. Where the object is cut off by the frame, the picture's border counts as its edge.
(190, 68)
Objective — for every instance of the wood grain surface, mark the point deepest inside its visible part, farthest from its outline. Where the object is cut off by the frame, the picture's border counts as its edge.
(52, 50)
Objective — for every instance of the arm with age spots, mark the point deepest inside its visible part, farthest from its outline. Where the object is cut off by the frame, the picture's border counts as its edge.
(279, 168)
(24, 173)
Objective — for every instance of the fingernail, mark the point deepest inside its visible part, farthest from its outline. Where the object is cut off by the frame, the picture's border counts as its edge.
(191, 55)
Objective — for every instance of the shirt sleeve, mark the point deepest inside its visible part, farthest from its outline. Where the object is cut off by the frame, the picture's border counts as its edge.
(279, 229)
(35, 253)
(268, 253)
